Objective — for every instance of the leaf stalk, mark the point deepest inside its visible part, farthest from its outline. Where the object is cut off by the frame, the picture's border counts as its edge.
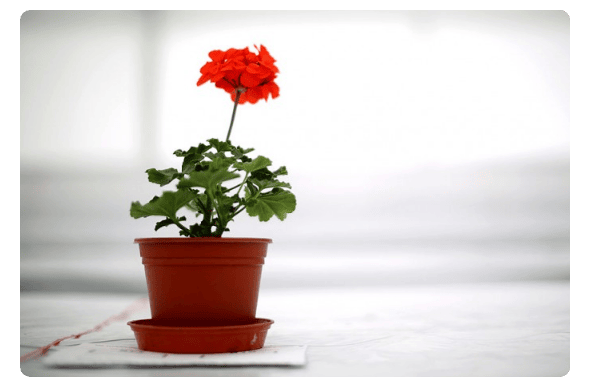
(175, 220)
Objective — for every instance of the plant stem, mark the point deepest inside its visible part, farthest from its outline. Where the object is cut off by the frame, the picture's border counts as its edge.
(242, 184)
(219, 214)
(222, 223)
(233, 187)
(233, 115)
(242, 208)
(208, 211)
(236, 213)
(201, 205)
(175, 220)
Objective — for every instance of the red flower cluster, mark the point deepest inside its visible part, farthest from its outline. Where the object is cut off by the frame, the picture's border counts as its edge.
(242, 71)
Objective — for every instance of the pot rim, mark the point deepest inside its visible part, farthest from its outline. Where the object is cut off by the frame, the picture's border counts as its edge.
(199, 240)
(151, 325)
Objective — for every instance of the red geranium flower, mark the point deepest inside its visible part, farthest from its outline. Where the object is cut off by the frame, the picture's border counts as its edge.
(241, 72)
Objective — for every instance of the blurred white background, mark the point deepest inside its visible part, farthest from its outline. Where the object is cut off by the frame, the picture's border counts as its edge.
(422, 146)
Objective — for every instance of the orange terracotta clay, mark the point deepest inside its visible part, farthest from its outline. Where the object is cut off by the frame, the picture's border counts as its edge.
(203, 281)
(182, 338)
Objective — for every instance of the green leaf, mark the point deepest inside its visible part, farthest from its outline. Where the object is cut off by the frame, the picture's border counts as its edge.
(226, 203)
(194, 206)
(266, 184)
(193, 150)
(162, 177)
(212, 155)
(166, 222)
(185, 233)
(220, 146)
(167, 205)
(199, 204)
(163, 223)
(221, 163)
(278, 203)
(250, 189)
(208, 166)
(192, 157)
(240, 153)
(191, 163)
(282, 171)
(207, 179)
(201, 230)
(259, 162)
(263, 174)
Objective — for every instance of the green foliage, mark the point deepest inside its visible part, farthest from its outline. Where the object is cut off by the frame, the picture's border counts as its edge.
(208, 167)
(162, 177)
(278, 203)
(167, 205)
(259, 163)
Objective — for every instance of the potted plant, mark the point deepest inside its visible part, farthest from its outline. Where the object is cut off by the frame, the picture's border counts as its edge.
(202, 283)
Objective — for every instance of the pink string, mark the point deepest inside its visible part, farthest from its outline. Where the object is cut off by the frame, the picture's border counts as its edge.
(134, 307)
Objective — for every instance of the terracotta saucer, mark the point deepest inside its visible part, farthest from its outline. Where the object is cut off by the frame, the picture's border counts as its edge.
(182, 338)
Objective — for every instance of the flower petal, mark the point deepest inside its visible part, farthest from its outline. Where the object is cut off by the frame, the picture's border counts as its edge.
(253, 95)
(203, 79)
(217, 55)
(218, 76)
(250, 80)
(224, 84)
(251, 57)
(253, 68)
(230, 53)
(274, 89)
(265, 56)
(265, 91)
(206, 68)
(241, 69)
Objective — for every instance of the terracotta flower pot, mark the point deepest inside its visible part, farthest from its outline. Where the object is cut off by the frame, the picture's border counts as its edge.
(203, 281)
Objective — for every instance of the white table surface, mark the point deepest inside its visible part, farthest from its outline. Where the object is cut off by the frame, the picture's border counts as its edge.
(485, 329)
